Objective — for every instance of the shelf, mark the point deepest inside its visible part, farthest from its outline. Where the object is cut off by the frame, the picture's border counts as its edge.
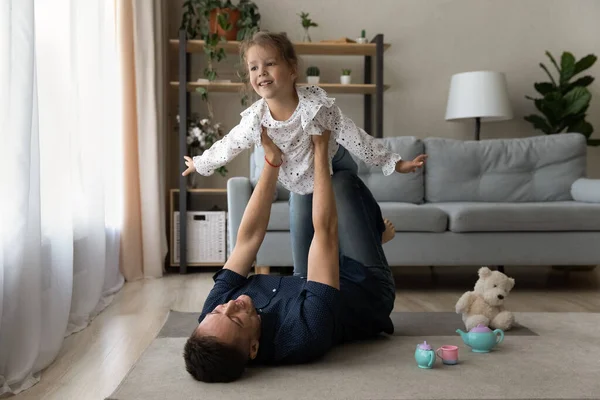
(201, 199)
(329, 87)
(302, 48)
(202, 190)
(199, 264)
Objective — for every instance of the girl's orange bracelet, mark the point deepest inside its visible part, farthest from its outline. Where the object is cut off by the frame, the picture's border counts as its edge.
(272, 165)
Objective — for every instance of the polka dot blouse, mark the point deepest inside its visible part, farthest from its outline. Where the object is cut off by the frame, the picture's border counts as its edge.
(315, 113)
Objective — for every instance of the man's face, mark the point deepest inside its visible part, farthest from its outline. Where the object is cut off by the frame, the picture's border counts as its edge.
(236, 323)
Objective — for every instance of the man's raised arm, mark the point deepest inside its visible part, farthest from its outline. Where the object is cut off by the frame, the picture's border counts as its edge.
(323, 256)
(256, 216)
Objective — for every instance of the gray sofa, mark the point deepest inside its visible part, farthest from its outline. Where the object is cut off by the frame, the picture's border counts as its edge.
(493, 202)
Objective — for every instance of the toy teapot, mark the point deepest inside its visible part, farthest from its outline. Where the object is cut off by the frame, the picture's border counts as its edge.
(482, 339)
(424, 355)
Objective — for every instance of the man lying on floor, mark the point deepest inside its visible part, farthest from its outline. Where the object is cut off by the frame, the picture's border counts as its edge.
(348, 292)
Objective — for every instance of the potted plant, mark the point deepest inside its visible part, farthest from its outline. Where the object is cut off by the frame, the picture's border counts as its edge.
(214, 22)
(223, 20)
(345, 79)
(363, 37)
(306, 24)
(564, 103)
(313, 75)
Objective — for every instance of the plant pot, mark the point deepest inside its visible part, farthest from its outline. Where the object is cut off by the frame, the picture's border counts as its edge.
(213, 25)
(313, 80)
(345, 79)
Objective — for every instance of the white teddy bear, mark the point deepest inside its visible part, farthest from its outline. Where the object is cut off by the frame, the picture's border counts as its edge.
(485, 304)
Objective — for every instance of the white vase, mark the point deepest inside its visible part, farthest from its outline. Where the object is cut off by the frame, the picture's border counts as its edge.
(313, 80)
(345, 79)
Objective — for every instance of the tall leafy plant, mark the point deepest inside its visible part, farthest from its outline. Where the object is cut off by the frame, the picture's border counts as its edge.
(249, 22)
(195, 21)
(564, 102)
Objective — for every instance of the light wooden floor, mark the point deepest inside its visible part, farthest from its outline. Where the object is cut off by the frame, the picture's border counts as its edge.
(94, 361)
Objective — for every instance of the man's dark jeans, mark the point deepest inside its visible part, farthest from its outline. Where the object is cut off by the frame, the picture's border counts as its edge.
(360, 227)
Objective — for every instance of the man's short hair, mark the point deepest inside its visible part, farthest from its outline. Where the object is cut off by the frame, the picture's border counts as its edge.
(209, 360)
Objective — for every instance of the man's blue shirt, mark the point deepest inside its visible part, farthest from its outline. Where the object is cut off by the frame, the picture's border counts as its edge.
(301, 320)
(297, 317)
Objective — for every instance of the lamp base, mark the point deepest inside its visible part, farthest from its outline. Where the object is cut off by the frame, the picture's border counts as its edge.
(477, 127)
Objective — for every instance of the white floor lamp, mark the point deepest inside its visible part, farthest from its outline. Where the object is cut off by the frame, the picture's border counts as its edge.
(482, 95)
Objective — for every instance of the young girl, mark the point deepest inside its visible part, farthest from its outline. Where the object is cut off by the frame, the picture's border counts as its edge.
(290, 114)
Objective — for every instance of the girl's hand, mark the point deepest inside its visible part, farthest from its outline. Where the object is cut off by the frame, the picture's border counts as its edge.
(190, 164)
(411, 166)
(272, 152)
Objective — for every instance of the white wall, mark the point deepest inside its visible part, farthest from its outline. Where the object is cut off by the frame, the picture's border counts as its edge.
(431, 40)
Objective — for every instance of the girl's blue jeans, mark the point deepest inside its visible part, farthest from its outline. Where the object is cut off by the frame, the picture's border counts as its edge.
(301, 227)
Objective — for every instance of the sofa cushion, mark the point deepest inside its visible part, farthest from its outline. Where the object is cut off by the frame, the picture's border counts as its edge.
(522, 217)
(407, 188)
(408, 217)
(587, 190)
(539, 168)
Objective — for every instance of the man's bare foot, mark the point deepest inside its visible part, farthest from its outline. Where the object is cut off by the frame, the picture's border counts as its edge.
(390, 231)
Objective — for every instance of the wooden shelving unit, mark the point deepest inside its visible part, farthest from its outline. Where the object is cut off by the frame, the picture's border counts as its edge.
(201, 200)
(371, 87)
(302, 48)
(236, 87)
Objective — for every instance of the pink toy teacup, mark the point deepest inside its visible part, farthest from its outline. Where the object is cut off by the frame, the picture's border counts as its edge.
(448, 354)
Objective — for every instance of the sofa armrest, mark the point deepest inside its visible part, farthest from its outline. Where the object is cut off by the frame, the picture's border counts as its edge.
(239, 190)
(586, 190)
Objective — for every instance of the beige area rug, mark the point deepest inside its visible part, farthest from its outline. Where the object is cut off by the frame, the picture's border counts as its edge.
(549, 356)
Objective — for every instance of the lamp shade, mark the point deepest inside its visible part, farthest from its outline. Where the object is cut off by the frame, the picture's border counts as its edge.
(479, 94)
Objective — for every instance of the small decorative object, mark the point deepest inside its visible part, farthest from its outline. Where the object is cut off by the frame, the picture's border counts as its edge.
(482, 95)
(202, 133)
(448, 353)
(564, 103)
(485, 305)
(313, 75)
(482, 339)
(363, 37)
(346, 78)
(424, 355)
(306, 24)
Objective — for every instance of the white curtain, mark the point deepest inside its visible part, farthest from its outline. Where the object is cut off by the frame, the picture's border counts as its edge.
(141, 30)
(60, 177)
(149, 95)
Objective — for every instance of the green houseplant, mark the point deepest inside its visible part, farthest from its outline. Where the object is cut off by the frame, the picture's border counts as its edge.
(313, 75)
(306, 24)
(564, 102)
(249, 22)
(214, 21)
(346, 78)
